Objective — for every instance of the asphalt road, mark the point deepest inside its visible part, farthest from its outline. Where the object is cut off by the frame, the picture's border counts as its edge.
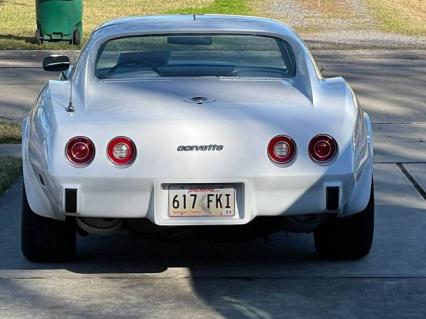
(123, 276)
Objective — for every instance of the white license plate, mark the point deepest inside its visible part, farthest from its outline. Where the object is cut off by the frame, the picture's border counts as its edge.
(201, 200)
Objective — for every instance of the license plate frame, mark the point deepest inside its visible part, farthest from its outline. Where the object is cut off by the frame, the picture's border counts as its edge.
(202, 200)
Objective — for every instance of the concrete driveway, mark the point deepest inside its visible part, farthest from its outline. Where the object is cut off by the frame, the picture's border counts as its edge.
(123, 276)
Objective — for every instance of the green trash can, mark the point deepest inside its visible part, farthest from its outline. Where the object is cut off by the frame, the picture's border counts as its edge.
(59, 20)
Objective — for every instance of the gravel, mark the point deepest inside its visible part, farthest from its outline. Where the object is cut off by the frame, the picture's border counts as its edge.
(299, 16)
(355, 31)
(362, 39)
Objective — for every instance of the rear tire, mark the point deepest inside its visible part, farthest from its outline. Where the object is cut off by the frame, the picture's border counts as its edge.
(349, 237)
(44, 239)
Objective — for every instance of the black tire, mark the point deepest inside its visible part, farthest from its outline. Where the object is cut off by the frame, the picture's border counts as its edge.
(76, 37)
(349, 237)
(44, 239)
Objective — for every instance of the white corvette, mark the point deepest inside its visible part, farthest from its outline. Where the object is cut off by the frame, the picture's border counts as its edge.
(167, 123)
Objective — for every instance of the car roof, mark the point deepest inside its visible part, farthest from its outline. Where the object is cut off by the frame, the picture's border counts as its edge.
(196, 23)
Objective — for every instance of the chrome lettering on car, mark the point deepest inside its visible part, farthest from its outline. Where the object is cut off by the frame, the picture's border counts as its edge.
(199, 148)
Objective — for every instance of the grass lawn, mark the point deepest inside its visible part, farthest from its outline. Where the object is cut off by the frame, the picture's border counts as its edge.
(10, 169)
(240, 7)
(17, 17)
(407, 16)
(10, 133)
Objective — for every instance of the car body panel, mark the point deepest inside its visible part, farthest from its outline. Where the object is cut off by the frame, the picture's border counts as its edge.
(243, 115)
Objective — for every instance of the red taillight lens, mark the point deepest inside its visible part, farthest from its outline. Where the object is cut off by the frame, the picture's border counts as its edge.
(322, 148)
(80, 151)
(121, 151)
(281, 149)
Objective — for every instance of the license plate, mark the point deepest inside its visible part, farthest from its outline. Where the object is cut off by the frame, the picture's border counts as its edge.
(201, 200)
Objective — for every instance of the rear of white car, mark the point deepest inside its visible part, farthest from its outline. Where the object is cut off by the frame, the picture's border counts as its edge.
(180, 138)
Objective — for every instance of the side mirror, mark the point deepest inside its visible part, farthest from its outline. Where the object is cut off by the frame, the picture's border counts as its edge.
(56, 63)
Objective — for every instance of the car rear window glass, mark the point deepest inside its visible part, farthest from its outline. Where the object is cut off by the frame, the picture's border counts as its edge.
(195, 55)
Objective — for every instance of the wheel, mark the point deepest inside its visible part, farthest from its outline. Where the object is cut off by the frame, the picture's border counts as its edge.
(76, 38)
(38, 37)
(349, 237)
(44, 239)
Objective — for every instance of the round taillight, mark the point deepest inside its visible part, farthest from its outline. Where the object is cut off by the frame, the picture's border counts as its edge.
(80, 151)
(281, 149)
(322, 148)
(121, 151)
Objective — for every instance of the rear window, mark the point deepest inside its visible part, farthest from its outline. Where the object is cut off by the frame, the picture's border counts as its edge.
(195, 56)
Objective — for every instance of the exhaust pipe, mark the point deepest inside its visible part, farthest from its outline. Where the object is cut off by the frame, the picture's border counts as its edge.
(99, 226)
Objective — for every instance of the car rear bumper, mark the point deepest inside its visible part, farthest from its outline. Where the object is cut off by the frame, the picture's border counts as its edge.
(148, 197)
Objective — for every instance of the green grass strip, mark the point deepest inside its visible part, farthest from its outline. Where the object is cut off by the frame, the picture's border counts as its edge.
(10, 169)
(238, 7)
(10, 133)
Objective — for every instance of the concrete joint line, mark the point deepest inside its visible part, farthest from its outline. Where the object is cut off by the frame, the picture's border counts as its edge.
(410, 177)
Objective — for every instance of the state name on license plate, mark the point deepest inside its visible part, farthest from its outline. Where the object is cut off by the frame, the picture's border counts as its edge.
(201, 200)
